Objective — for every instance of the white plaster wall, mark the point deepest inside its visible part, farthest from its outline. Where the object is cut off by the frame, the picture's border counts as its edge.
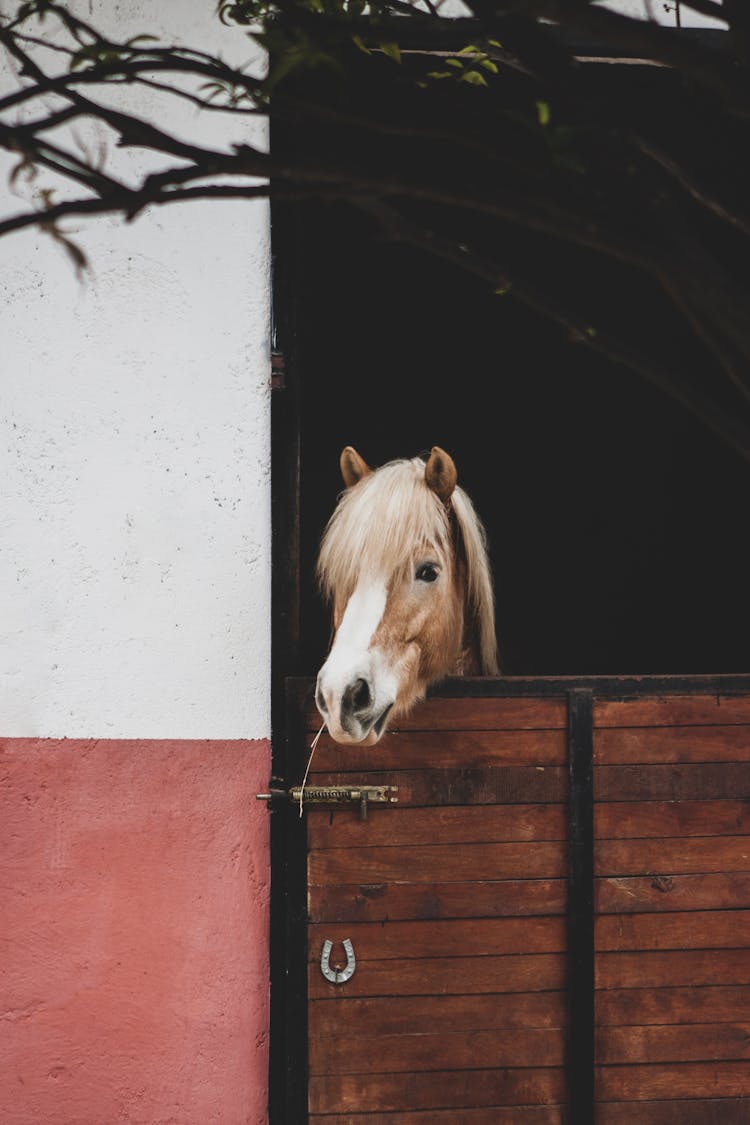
(134, 456)
(661, 11)
(664, 12)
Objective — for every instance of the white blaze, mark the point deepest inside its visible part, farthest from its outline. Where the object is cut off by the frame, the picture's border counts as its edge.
(349, 657)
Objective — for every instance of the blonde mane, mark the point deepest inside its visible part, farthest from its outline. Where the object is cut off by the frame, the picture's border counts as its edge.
(376, 526)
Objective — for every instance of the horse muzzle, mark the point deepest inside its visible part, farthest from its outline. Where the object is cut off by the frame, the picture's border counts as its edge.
(356, 713)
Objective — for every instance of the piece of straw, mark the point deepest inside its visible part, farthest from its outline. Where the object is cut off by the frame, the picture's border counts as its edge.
(309, 761)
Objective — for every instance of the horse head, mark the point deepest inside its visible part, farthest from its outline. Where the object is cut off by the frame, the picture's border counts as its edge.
(403, 562)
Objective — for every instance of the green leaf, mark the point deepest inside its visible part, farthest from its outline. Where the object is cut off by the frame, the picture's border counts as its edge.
(474, 78)
(543, 113)
(392, 50)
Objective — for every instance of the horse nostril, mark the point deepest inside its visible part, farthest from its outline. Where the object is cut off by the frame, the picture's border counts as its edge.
(361, 695)
(356, 697)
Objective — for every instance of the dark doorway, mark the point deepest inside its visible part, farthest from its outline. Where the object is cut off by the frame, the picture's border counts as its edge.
(617, 522)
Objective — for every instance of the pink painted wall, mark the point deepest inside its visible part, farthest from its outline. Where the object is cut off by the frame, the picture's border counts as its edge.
(133, 932)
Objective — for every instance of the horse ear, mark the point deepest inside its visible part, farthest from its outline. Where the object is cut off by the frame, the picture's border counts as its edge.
(440, 473)
(353, 468)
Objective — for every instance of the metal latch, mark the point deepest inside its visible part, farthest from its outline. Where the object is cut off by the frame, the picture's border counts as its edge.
(363, 795)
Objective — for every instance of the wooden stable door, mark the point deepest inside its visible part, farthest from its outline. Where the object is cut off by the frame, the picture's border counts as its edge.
(551, 924)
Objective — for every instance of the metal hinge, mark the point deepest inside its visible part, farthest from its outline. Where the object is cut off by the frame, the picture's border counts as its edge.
(278, 371)
(363, 795)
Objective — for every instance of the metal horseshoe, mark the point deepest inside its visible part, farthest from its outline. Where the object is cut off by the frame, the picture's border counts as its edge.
(338, 976)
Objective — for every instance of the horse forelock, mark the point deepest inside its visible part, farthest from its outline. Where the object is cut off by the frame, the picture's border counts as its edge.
(376, 526)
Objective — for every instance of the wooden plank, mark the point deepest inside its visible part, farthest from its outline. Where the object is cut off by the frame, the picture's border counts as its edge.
(464, 713)
(706, 929)
(449, 1050)
(642, 745)
(376, 902)
(444, 862)
(673, 710)
(368, 1093)
(658, 969)
(673, 1043)
(708, 1004)
(694, 855)
(661, 1080)
(398, 825)
(491, 1115)
(713, 1111)
(500, 785)
(441, 749)
(446, 976)
(458, 938)
(674, 782)
(672, 892)
(622, 819)
(475, 824)
(493, 1012)
(491, 785)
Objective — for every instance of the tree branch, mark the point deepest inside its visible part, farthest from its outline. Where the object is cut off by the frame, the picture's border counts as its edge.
(727, 427)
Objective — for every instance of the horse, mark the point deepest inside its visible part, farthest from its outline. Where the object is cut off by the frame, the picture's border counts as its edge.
(403, 563)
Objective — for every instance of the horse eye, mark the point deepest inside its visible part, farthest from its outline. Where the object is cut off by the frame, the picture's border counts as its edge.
(426, 573)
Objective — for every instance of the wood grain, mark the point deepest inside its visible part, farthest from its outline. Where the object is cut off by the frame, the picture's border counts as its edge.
(441, 749)
(707, 929)
(460, 939)
(693, 855)
(707, 1004)
(698, 1111)
(456, 824)
(375, 902)
(367, 1093)
(624, 819)
(661, 1080)
(491, 1115)
(673, 710)
(674, 782)
(444, 862)
(421, 1051)
(486, 1012)
(658, 745)
(673, 1043)
(399, 825)
(447, 976)
(672, 892)
(696, 967)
